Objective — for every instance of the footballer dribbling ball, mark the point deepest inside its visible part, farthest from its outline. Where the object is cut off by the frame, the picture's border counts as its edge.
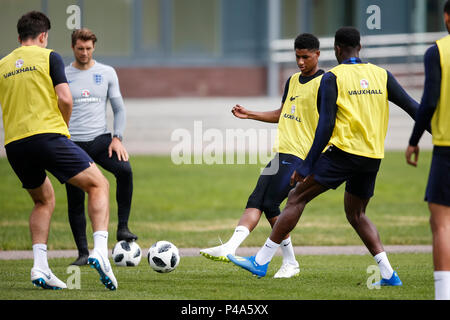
(126, 254)
(163, 256)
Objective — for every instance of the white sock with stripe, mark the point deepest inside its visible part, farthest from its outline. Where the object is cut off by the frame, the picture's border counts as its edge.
(288, 252)
(385, 267)
(101, 242)
(266, 253)
(442, 285)
(239, 235)
(40, 256)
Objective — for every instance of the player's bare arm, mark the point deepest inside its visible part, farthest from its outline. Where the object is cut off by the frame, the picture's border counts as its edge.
(267, 116)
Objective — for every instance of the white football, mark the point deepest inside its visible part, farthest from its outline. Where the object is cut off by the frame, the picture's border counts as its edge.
(163, 256)
(126, 254)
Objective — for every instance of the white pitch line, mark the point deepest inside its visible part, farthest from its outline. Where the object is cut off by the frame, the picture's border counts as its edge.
(248, 251)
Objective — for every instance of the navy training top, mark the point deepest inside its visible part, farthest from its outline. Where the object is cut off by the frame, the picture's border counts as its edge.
(328, 110)
(431, 94)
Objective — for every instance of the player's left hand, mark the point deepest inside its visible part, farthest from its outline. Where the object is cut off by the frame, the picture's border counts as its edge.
(410, 151)
(117, 147)
(296, 178)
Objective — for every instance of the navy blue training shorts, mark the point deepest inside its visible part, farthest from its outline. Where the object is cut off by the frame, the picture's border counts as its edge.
(438, 188)
(30, 157)
(273, 185)
(335, 167)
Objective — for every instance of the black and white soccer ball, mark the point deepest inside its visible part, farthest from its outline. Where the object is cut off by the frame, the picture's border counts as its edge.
(126, 254)
(163, 256)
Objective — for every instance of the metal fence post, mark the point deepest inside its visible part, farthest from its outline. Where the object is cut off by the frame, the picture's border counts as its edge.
(273, 70)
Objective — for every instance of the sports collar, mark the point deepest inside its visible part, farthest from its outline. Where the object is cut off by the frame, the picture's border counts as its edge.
(353, 60)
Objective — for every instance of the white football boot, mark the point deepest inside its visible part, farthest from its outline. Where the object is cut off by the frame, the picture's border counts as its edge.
(287, 270)
(218, 253)
(103, 267)
(46, 279)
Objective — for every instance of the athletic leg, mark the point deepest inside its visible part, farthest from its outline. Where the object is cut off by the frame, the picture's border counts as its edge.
(276, 193)
(297, 200)
(246, 224)
(289, 217)
(96, 186)
(77, 220)
(250, 218)
(44, 204)
(290, 266)
(355, 210)
(298, 197)
(440, 227)
(124, 183)
(92, 181)
(248, 221)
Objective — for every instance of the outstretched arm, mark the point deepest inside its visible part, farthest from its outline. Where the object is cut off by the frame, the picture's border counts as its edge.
(398, 96)
(268, 116)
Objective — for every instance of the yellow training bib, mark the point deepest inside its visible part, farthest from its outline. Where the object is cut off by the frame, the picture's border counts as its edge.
(440, 123)
(27, 96)
(363, 110)
(299, 118)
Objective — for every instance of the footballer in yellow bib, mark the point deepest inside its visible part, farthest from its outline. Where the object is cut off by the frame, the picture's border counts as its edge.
(297, 121)
(353, 118)
(363, 109)
(299, 117)
(440, 124)
(27, 70)
(37, 104)
(435, 111)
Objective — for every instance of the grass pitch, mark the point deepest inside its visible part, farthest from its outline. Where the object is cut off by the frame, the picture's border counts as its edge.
(196, 278)
(195, 205)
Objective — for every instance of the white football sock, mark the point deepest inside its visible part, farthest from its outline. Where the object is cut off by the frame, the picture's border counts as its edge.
(239, 235)
(288, 252)
(442, 285)
(385, 267)
(40, 256)
(101, 242)
(266, 253)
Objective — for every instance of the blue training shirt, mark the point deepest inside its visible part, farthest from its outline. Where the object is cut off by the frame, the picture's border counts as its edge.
(431, 94)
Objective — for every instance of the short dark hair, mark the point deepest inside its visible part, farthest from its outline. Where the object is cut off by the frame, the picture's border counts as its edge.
(307, 41)
(31, 24)
(447, 7)
(347, 37)
(83, 34)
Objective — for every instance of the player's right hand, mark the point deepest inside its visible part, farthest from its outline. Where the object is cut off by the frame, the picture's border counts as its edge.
(410, 151)
(240, 112)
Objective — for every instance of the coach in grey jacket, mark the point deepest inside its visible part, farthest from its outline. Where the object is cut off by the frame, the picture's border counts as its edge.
(92, 84)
